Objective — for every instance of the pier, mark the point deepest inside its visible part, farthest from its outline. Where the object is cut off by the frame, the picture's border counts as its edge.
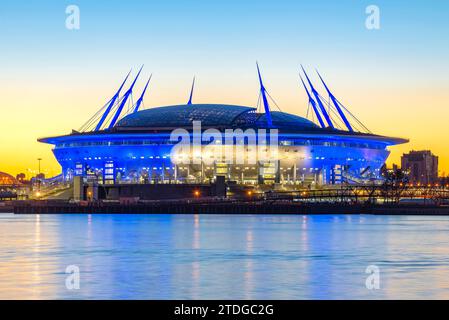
(348, 199)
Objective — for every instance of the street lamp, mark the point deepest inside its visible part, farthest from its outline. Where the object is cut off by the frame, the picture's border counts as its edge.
(39, 178)
(39, 161)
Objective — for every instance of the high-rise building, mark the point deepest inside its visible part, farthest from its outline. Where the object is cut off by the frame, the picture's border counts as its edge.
(421, 165)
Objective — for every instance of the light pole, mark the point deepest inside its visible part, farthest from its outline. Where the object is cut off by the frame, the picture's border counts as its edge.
(39, 161)
(39, 178)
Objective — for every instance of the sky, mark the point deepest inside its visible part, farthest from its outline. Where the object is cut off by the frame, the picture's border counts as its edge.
(53, 79)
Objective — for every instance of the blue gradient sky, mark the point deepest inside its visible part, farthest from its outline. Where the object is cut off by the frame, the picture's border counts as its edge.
(395, 79)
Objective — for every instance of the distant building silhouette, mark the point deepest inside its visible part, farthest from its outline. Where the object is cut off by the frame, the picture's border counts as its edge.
(421, 165)
(21, 177)
(40, 176)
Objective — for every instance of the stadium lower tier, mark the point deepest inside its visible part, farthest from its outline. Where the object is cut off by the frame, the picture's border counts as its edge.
(149, 158)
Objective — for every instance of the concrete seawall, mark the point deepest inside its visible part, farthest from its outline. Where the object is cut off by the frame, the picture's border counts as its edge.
(225, 207)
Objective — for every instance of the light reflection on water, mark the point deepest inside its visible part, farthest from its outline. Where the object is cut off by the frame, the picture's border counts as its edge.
(223, 256)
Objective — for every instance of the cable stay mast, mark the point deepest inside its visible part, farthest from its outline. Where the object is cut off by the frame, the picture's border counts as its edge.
(122, 104)
(139, 102)
(112, 101)
(264, 99)
(320, 103)
(336, 104)
(191, 92)
(313, 104)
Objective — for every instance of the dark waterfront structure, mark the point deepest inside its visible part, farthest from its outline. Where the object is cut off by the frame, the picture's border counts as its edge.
(8, 186)
(422, 167)
(7, 180)
(123, 144)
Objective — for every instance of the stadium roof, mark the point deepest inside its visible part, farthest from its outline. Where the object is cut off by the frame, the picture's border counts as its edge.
(183, 115)
(211, 115)
(287, 120)
(164, 119)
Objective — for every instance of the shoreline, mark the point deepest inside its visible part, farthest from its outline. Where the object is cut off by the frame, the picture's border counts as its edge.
(224, 207)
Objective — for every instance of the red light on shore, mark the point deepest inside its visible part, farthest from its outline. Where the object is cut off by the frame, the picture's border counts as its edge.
(249, 193)
(196, 193)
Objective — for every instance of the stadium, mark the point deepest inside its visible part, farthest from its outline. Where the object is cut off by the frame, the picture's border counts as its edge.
(122, 144)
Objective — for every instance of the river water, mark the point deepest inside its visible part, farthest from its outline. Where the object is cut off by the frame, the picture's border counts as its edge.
(223, 257)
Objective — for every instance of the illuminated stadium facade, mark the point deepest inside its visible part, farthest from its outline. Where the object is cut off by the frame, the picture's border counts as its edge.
(136, 147)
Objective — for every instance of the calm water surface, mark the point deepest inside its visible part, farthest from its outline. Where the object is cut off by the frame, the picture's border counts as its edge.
(223, 256)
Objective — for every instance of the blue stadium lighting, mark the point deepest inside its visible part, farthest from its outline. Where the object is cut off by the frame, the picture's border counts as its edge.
(136, 147)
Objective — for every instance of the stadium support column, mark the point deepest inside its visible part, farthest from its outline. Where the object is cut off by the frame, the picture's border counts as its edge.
(320, 177)
(221, 169)
(278, 171)
(325, 175)
(202, 172)
(220, 186)
(92, 191)
(259, 173)
(337, 174)
(175, 173)
(294, 173)
(78, 188)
